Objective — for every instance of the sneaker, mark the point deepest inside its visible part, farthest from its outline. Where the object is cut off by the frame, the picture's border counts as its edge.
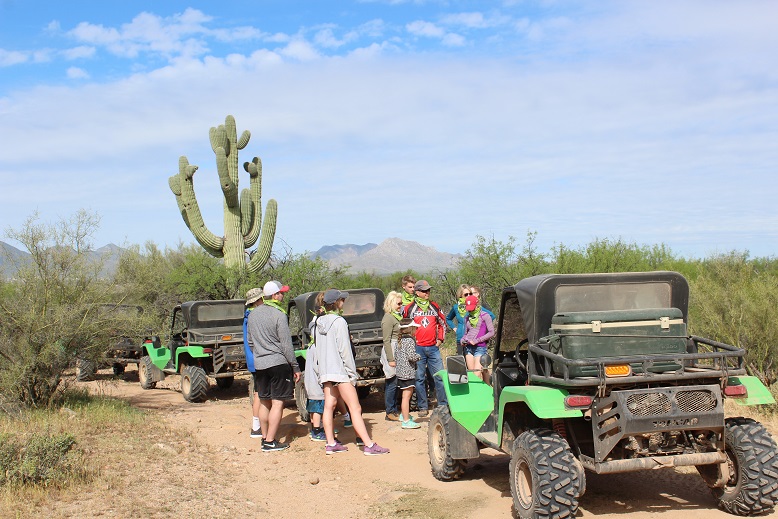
(359, 442)
(392, 417)
(409, 424)
(375, 450)
(318, 436)
(347, 423)
(335, 449)
(423, 412)
(256, 433)
(275, 445)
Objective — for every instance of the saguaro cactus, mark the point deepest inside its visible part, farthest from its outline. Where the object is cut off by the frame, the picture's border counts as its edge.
(242, 216)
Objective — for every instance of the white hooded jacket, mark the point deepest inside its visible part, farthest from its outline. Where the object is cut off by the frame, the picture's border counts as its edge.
(334, 359)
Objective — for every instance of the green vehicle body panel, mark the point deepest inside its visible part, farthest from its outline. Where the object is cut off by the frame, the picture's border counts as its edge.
(301, 353)
(470, 404)
(757, 392)
(161, 356)
(544, 402)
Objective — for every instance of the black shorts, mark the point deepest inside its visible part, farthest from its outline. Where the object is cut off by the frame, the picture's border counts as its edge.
(275, 383)
(255, 378)
(406, 383)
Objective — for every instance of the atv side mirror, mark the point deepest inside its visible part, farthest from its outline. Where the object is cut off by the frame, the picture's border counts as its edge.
(457, 369)
(486, 361)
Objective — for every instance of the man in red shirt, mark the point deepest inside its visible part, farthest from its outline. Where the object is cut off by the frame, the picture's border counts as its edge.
(429, 336)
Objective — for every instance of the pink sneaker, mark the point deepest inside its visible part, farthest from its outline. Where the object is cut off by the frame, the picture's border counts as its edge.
(335, 449)
(375, 450)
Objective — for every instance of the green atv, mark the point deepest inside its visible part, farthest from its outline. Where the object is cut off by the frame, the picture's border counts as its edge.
(206, 340)
(598, 372)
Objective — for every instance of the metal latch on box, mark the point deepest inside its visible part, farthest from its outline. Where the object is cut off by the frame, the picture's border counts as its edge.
(664, 323)
(596, 326)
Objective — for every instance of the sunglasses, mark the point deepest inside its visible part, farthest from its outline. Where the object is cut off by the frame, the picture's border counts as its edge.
(399, 303)
(425, 291)
(467, 294)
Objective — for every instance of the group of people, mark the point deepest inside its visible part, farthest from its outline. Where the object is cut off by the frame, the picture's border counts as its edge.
(426, 325)
(330, 368)
(413, 328)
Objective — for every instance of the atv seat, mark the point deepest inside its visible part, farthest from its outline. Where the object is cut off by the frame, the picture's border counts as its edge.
(508, 372)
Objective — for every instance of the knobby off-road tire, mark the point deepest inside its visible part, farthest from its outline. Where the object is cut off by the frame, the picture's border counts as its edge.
(544, 477)
(144, 373)
(194, 384)
(301, 399)
(753, 462)
(85, 370)
(444, 467)
(225, 383)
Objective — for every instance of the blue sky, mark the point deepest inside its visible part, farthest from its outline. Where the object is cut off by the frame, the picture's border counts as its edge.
(433, 121)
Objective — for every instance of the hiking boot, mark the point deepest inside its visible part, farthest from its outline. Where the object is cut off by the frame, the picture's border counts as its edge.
(335, 449)
(318, 436)
(409, 424)
(375, 450)
(256, 433)
(347, 423)
(423, 413)
(273, 446)
(392, 417)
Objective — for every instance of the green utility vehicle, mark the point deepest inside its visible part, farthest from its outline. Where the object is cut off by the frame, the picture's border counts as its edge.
(598, 372)
(363, 311)
(206, 340)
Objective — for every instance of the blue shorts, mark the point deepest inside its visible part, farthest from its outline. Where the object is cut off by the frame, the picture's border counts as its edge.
(475, 351)
(315, 406)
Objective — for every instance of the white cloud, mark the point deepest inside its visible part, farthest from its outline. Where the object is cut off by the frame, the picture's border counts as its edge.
(427, 29)
(82, 51)
(453, 40)
(77, 73)
(12, 57)
(300, 50)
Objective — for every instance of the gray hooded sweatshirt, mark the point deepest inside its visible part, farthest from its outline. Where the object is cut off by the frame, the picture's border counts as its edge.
(312, 386)
(334, 359)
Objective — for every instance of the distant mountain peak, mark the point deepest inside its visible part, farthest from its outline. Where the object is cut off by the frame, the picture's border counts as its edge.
(391, 255)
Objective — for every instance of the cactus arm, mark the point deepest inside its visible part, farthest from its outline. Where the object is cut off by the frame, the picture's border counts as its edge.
(175, 187)
(254, 169)
(246, 214)
(244, 139)
(188, 205)
(229, 187)
(262, 254)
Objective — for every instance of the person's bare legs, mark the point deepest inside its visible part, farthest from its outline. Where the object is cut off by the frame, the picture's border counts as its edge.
(270, 413)
(315, 420)
(470, 360)
(330, 401)
(405, 404)
(349, 395)
(477, 366)
(255, 405)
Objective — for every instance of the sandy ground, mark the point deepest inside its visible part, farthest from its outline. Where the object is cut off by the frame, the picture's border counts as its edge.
(302, 481)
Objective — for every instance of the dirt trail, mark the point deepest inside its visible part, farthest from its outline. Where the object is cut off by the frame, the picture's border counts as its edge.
(302, 481)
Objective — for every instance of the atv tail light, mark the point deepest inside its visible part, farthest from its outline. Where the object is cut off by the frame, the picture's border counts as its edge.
(226, 337)
(618, 370)
(578, 401)
(207, 350)
(736, 390)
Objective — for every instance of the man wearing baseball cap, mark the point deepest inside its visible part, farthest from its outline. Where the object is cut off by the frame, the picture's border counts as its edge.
(429, 336)
(276, 367)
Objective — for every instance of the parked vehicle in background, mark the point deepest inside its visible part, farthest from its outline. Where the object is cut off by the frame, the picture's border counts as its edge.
(363, 311)
(206, 340)
(126, 350)
(598, 372)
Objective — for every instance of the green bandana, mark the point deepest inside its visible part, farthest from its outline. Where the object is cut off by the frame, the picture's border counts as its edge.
(475, 319)
(407, 298)
(274, 304)
(424, 304)
(397, 315)
(461, 308)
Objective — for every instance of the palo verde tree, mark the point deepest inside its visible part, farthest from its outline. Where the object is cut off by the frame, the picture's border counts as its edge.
(50, 312)
(242, 215)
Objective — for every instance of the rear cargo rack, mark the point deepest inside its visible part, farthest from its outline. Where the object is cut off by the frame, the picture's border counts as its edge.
(712, 359)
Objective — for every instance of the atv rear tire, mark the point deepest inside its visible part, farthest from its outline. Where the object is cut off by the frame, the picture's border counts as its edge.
(194, 384)
(301, 399)
(753, 463)
(85, 370)
(225, 383)
(444, 467)
(544, 478)
(144, 373)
